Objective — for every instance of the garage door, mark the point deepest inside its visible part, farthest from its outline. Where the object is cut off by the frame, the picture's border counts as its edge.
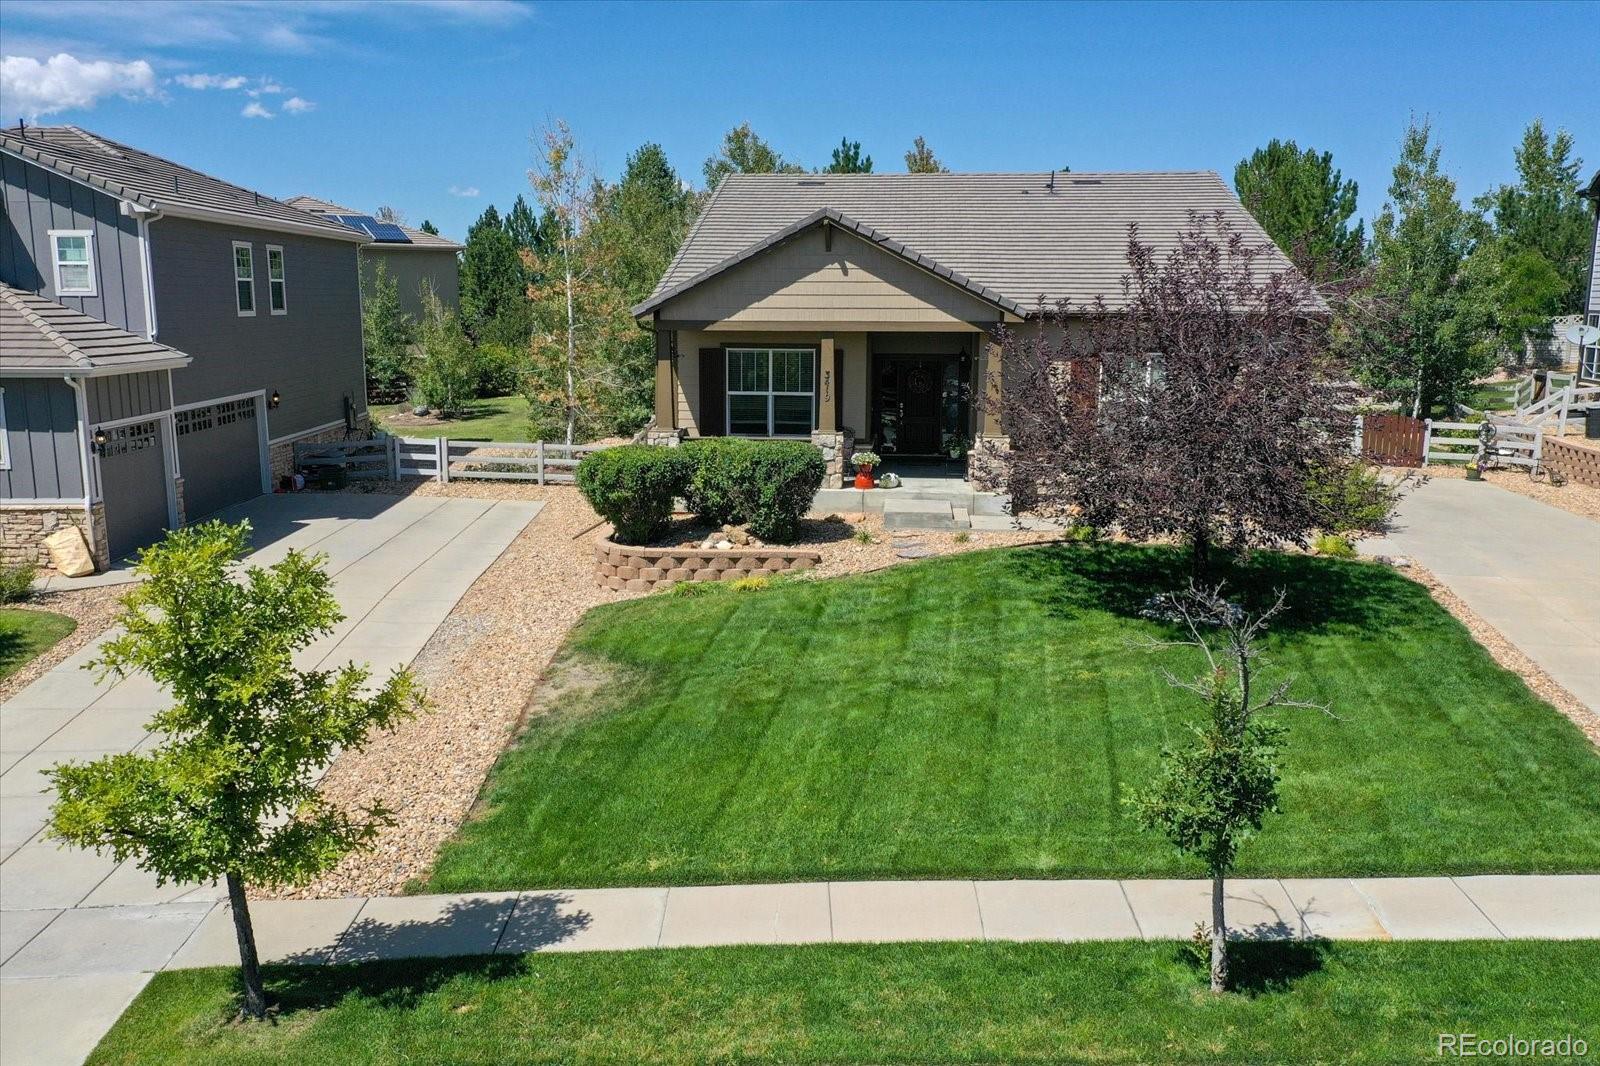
(219, 453)
(133, 485)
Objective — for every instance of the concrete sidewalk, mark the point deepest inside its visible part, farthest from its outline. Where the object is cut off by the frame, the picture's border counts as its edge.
(98, 928)
(1530, 570)
(67, 975)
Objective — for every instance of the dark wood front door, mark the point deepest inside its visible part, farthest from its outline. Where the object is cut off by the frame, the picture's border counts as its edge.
(918, 389)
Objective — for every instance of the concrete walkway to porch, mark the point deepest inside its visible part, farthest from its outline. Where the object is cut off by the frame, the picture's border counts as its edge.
(79, 933)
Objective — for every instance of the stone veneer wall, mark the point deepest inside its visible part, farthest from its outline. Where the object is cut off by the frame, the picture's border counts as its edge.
(624, 566)
(1575, 462)
(280, 456)
(836, 450)
(23, 528)
(985, 469)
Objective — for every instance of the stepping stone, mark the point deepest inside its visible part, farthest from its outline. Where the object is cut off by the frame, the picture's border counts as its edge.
(918, 514)
(914, 552)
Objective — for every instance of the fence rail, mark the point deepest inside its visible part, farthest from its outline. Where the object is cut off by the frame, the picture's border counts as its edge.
(443, 459)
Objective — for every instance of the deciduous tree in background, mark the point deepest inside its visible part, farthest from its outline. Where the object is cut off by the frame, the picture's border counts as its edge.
(847, 159)
(1543, 215)
(387, 334)
(230, 792)
(744, 152)
(446, 367)
(1212, 794)
(921, 160)
(1200, 404)
(1305, 205)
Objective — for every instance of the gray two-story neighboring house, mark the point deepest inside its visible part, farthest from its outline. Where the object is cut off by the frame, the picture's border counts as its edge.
(1589, 354)
(415, 260)
(165, 339)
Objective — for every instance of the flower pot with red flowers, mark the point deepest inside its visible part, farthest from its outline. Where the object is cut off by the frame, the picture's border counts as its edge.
(864, 462)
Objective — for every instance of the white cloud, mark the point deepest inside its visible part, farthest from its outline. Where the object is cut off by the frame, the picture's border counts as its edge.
(64, 82)
(466, 192)
(254, 110)
(297, 105)
(266, 86)
(212, 81)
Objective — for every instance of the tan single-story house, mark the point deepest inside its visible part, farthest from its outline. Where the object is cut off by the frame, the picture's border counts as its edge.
(858, 311)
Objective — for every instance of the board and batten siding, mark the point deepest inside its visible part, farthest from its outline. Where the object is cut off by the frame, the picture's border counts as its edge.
(311, 356)
(410, 269)
(856, 368)
(119, 396)
(42, 441)
(38, 200)
(802, 282)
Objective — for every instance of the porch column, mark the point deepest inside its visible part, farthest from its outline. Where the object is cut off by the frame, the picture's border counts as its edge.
(990, 368)
(828, 401)
(666, 429)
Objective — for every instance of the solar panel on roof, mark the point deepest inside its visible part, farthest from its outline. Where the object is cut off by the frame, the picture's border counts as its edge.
(386, 232)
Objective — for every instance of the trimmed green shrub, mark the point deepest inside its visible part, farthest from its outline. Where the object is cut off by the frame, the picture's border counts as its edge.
(1350, 497)
(16, 582)
(765, 484)
(632, 487)
(1333, 546)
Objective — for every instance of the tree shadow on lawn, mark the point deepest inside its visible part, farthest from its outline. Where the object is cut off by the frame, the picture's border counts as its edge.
(1260, 962)
(395, 964)
(1321, 595)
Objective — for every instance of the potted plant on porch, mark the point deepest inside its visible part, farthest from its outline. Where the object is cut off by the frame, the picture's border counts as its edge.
(864, 462)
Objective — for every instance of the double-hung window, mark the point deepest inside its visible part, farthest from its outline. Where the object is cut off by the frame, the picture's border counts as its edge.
(277, 288)
(1589, 361)
(771, 392)
(73, 252)
(244, 278)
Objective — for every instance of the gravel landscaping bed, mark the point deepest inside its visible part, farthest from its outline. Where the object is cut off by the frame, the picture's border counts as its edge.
(95, 610)
(482, 666)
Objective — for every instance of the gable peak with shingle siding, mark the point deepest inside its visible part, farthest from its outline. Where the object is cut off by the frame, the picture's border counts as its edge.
(157, 184)
(1010, 235)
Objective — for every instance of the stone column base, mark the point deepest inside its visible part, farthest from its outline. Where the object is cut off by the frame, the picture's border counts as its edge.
(836, 447)
(985, 465)
(664, 438)
(23, 528)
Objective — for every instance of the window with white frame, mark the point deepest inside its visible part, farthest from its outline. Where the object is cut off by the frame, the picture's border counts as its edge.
(73, 253)
(1589, 357)
(244, 278)
(277, 287)
(771, 392)
(5, 442)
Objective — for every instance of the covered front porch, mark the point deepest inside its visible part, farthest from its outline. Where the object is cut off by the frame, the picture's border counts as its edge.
(913, 397)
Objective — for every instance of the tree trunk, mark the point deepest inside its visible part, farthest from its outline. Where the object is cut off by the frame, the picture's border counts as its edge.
(1199, 552)
(255, 995)
(1219, 938)
(572, 357)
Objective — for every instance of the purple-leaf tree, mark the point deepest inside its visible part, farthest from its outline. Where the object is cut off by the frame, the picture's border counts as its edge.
(1201, 403)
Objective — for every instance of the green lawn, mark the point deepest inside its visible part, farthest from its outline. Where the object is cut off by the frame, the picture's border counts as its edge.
(26, 634)
(984, 715)
(495, 418)
(965, 1002)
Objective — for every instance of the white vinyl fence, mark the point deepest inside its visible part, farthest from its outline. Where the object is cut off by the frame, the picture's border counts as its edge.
(1509, 444)
(443, 459)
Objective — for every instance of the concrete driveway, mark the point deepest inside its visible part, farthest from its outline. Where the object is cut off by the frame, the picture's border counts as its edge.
(80, 934)
(1530, 570)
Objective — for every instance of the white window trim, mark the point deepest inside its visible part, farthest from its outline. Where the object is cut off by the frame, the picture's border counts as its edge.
(55, 259)
(238, 277)
(283, 281)
(5, 441)
(769, 392)
(1589, 354)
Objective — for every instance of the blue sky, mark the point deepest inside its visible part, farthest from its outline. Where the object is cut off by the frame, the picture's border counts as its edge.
(431, 106)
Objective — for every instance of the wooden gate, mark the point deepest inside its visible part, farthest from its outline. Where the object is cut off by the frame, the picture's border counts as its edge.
(1393, 440)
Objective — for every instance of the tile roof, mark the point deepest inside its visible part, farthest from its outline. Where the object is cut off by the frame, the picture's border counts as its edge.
(419, 238)
(40, 336)
(159, 184)
(1010, 235)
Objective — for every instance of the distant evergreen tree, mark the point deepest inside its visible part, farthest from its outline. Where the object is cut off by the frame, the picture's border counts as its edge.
(429, 227)
(921, 160)
(847, 159)
(494, 304)
(1305, 205)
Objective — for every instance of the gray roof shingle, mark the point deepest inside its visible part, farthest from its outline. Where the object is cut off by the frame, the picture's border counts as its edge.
(39, 336)
(419, 239)
(1005, 234)
(159, 184)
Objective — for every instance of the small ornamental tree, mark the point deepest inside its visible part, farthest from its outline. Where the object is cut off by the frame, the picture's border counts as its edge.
(1213, 794)
(1197, 405)
(230, 793)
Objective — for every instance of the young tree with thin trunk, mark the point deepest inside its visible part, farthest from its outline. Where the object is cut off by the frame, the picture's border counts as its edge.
(1198, 405)
(1213, 794)
(230, 793)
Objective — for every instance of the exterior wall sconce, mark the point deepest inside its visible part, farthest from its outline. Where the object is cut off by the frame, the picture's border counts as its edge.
(274, 400)
(101, 438)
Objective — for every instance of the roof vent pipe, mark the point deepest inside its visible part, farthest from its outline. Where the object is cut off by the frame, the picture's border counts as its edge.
(1051, 184)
